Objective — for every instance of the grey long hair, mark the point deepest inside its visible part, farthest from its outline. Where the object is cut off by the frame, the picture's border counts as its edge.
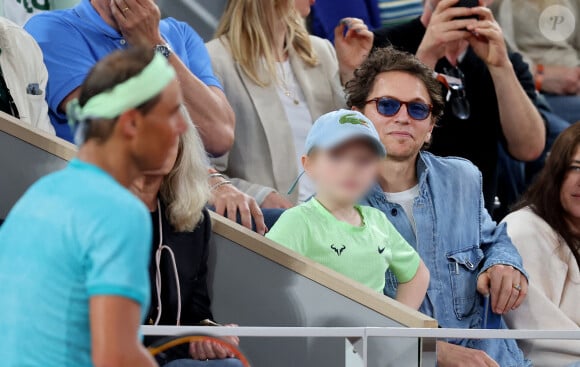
(185, 190)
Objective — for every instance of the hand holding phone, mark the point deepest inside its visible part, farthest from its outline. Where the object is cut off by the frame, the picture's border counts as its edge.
(467, 4)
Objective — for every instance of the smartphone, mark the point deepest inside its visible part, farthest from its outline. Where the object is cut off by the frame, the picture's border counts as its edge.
(467, 4)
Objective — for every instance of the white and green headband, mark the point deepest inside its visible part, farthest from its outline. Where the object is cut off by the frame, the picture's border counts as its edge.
(130, 94)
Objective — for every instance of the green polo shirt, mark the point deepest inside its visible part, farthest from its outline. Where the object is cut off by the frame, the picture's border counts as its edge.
(361, 253)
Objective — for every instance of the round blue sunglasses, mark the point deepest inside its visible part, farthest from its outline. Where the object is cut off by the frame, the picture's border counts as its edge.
(388, 106)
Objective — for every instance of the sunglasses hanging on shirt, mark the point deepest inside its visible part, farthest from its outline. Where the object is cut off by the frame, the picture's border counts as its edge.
(5, 94)
(454, 80)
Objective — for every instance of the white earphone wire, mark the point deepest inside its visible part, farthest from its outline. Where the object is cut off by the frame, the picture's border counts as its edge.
(158, 253)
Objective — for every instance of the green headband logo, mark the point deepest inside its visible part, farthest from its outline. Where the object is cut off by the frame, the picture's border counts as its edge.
(352, 119)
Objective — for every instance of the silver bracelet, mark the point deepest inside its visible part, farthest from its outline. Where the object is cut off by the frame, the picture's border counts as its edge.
(220, 184)
(216, 175)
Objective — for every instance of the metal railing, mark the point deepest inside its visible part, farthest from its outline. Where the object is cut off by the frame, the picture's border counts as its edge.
(363, 334)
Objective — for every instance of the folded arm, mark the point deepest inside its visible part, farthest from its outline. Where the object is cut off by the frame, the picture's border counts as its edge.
(209, 109)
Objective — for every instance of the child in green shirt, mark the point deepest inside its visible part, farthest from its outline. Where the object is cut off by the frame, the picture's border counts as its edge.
(343, 152)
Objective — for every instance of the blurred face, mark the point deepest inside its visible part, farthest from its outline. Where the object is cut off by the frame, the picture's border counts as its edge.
(345, 173)
(570, 191)
(303, 7)
(157, 134)
(402, 135)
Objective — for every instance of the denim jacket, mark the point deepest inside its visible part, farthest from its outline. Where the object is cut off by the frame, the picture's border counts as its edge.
(457, 240)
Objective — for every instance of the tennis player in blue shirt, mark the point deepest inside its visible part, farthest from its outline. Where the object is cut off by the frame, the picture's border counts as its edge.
(73, 265)
(74, 40)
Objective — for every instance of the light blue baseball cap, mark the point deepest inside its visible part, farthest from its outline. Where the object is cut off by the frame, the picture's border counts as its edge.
(338, 127)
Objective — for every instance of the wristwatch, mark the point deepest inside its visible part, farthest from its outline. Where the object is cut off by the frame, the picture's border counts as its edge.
(164, 50)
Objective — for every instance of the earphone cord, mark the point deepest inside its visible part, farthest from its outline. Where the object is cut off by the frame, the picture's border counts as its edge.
(158, 254)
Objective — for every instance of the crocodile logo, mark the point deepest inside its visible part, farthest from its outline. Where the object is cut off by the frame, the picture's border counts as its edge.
(338, 250)
(352, 119)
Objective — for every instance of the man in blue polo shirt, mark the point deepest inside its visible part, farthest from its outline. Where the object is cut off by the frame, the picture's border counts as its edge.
(74, 40)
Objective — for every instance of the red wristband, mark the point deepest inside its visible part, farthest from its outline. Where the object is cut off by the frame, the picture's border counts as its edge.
(539, 76)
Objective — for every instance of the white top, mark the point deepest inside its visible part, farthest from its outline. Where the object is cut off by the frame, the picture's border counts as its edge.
(405, 199)
(298, 115)
(553, 300)
(17, 11)
(20, 11)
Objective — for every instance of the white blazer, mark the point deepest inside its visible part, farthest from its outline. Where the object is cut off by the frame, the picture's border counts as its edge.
(22, 65)
(263, 158)
(553, 300)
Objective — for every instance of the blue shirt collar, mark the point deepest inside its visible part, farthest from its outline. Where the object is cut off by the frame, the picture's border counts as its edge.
(88, 13)
(422, 173)
(422, 169)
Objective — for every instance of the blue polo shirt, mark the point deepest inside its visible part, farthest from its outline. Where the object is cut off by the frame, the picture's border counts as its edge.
(75, 234)
(326, 15)
(74, 40)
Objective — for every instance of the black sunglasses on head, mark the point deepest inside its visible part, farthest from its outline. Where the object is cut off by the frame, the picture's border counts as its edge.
(388, 106)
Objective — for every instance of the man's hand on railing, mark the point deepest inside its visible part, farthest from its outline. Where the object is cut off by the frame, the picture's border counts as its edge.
(507, 286)
(450, 355)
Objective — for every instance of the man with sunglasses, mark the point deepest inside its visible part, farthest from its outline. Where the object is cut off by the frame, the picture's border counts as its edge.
(437, 205)
(490, 91)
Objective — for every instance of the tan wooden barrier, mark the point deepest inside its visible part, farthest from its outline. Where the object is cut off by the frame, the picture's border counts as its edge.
(256, 282)
(26, 154)
(320, 274)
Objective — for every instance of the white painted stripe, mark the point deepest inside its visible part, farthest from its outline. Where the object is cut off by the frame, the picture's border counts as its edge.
(343, 332)
(281, 332)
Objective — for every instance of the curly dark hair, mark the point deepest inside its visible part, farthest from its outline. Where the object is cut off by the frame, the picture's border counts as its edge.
(387, 59)
(543, 197)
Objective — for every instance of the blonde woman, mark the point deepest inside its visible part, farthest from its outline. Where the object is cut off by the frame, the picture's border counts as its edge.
(176, 196)
(278, 80)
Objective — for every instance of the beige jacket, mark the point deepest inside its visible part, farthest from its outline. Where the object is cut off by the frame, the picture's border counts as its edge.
(519, 20)
(263, 158)
(22, 64)
(553, 301)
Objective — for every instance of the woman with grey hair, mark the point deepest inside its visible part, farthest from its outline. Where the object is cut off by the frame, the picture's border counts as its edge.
(176, 196)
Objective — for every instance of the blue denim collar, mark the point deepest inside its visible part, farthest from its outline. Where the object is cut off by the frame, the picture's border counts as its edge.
(422, 172)
(88, 13)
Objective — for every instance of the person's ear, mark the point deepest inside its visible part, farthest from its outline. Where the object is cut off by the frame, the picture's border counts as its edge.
(429, 134)
(305, 162)
(128, 123)
(308, 164)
